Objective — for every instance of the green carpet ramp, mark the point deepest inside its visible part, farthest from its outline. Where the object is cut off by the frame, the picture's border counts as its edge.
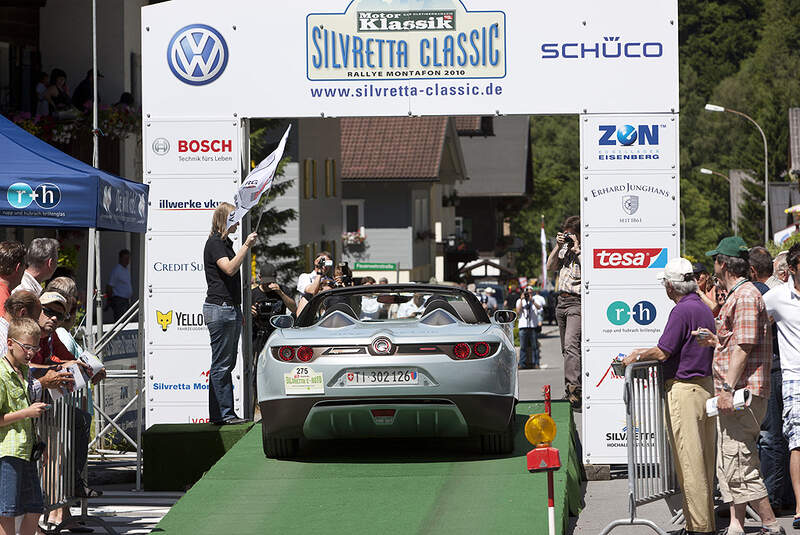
(381, 486)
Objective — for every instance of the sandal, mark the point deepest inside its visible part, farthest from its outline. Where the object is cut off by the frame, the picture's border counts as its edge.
(50, 528)
(796, 522)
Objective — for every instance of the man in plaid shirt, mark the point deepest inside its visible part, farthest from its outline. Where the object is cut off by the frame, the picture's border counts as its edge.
(742, 359)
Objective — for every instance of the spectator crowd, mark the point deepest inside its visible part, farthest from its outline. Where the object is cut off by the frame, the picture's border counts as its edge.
(40, 359)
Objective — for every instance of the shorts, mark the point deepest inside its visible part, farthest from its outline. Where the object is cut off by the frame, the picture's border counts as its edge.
(20, 488)
(791, 413)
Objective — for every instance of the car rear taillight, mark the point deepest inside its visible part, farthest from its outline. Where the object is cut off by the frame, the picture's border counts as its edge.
(286, 353)
(305, 353)
(481, 349)
(461, 351)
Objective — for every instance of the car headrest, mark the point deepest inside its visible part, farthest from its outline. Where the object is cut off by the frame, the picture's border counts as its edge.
(438, 303)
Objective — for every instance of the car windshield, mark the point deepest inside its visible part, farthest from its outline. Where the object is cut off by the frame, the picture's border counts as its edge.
(393, 306)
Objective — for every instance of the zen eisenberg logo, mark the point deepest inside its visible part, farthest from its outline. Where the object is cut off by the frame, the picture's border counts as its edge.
(405, 21)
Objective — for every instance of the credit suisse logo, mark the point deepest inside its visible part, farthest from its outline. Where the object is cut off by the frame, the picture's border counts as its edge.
(21, 195)
(649, 258)
(197, 54)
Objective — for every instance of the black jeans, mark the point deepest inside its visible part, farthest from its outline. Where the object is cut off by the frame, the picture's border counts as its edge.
(773, 449)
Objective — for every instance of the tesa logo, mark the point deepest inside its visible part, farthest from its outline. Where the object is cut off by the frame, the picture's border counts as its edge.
(205, 145)
(630, 258)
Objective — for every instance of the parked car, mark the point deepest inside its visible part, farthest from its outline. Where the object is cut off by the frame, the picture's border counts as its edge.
(440, 368)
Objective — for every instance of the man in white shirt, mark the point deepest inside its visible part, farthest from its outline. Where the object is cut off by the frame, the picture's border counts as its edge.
(323, 265)
(119, 288)
(42, 261)
(783, 306)
(528, 322)
(410, 308)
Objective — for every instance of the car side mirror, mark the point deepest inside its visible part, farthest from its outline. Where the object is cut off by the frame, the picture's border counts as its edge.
(284, 321)
(504, 317)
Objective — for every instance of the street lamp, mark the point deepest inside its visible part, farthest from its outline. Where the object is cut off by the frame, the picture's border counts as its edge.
(714, 107)
(707, 171)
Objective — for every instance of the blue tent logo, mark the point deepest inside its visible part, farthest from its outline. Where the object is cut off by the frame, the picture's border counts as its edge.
(47, 196)
(20, 195)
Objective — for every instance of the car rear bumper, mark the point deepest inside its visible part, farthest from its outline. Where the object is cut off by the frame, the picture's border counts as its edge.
(318, 417)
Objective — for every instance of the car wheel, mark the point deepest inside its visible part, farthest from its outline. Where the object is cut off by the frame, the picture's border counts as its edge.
(278, 448)
(499, 443)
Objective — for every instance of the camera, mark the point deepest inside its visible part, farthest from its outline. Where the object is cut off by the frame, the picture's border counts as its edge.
(346, 276)
(568, 239)
(266, 309)
(37, 451)
(324, 265)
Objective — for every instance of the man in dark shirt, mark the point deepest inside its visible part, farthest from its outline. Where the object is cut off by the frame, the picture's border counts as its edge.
(268, 300)
(83, 95)
(688, 384)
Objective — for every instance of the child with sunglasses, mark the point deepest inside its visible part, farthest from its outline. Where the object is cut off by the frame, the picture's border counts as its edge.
(20, 489)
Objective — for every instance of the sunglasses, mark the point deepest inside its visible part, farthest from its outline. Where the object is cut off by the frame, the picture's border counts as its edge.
(25, 347)
(50, 313)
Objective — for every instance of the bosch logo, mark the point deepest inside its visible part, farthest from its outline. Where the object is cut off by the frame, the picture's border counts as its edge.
(619, 313)
(630, 258)
(628, 135)
(197, 54)
(21, 195)
(160, 146)
(205, 145)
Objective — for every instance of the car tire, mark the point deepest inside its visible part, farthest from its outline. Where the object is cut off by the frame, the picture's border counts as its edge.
(278, 448)
(499, 443)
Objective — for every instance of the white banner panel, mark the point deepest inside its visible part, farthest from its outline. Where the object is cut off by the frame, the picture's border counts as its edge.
(176, 261)
(181, 376)
(631, 201)
(636, 142)
(605, 439)
(176, 203)
(175, 318)
(626, 258)
(191, 148)
(440, 57)
(187, 413)
(617, 315)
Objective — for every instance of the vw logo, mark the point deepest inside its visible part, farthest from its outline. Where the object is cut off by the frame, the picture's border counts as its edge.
(197, 54)
(160, 146)
(627, 135)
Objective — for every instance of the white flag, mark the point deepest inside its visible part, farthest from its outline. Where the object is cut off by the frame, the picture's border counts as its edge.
(258, 182)
(543, 238)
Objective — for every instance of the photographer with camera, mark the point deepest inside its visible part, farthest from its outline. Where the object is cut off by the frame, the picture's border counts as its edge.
(323, 266)
(566, 258)
(528, 309)
(268, 299)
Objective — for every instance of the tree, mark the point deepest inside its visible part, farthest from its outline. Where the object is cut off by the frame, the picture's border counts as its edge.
(273, 221)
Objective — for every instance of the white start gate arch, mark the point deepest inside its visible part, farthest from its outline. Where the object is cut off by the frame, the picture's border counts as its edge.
(208, 65)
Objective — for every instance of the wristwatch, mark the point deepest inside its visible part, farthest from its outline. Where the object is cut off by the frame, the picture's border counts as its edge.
(726, 387)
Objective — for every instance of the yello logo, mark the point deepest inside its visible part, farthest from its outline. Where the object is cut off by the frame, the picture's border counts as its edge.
(183, 321)
(20, 195)
(619, 313)
(630, 258)
(164, 319)
(626, 135)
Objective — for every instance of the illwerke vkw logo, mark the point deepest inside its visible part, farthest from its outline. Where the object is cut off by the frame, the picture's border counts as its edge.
(20, 195)
(160, 146)
(197, 54)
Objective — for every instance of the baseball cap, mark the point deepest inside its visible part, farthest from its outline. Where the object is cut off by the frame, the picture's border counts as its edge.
(267, 273)
(730, 246)
(699, 267)
(677, 270)
(52, 297)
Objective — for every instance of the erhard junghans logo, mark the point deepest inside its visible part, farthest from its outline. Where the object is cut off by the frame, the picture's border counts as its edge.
(379, 40)
(181, 320)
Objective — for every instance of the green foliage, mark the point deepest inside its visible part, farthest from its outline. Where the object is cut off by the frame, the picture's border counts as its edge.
(273, 221)
(556, 189)
(775, 249)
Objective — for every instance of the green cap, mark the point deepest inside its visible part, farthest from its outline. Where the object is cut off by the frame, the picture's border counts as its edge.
(730, 246)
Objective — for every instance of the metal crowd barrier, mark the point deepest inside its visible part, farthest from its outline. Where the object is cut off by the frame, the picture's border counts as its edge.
(651, 470)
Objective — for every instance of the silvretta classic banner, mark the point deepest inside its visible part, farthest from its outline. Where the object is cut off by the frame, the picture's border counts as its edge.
(375, 39)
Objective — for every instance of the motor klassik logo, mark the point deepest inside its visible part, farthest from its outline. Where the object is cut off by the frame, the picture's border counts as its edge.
(370, 41)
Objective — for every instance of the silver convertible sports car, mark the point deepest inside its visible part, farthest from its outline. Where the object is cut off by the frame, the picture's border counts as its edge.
(397, 360)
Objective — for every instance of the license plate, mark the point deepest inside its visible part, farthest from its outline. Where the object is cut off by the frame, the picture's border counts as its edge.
(381, 376)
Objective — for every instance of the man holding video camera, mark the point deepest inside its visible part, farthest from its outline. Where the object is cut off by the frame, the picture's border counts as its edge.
(566, 258)
(268, 300)
(323, 266)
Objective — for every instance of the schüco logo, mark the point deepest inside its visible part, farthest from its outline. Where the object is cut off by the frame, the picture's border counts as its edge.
(205, 145)
(630, 258)
(21, 195)
(627, 135)
(619, 313)
(183, 321)
(197, 54)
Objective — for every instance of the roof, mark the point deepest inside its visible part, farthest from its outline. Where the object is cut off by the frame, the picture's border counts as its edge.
(499, 165)
(794, 141)
(468, 124)
(392, 147)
